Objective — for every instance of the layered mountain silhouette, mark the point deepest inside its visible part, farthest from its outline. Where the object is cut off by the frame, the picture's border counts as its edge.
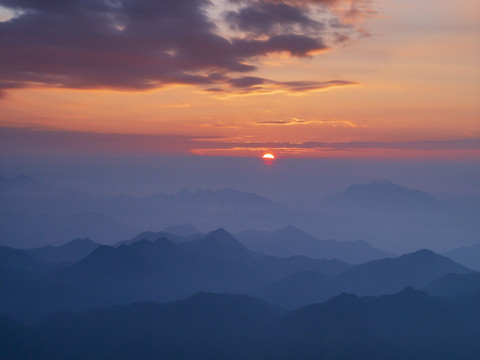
(377, 277)
(290, 241)
(386, 215)
(406, 325)
(155, 271)
(161, 270)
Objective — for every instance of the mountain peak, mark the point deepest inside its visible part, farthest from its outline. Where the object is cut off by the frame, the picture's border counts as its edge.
(222, 235)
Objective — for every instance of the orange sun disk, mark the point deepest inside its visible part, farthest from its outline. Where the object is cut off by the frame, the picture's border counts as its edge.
(268, 158)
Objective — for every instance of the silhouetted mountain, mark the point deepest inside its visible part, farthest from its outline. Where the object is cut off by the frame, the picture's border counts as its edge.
(156, 271)
(220, 244)
(182, 230)
(204, 326)
(378, 277)
(299, 289)
(468, 256)
(152, 236)
(292, 241)
(388, 276)
(406, 325)
(70, 252)
(387, 195)
(454, 285)
(60, 215)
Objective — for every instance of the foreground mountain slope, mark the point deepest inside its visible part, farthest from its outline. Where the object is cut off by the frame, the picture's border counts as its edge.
(406, 325)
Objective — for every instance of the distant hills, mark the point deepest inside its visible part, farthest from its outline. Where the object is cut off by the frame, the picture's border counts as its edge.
(397, 218)
(377, 277)
(161, 270)
(386, 215)
(290, 241)
(406, 325)
(156, 270)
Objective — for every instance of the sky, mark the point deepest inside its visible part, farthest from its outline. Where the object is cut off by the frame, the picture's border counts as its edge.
(351, 79)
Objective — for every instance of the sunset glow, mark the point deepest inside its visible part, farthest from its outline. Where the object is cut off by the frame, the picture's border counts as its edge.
(393, 79)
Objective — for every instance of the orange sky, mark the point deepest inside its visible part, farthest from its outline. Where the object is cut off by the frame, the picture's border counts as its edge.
(414, 78)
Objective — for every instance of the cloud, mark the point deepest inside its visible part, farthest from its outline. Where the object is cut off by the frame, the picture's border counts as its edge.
(295, 121)
(256, 85)
(260, 18)
(28, 141)
(146, 44)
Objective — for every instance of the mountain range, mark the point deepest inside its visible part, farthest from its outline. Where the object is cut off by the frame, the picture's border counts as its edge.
(290, 241)
(161, 270)
(386, 215)
(405, 325)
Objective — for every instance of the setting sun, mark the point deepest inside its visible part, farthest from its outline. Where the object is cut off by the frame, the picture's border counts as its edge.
(268, 156)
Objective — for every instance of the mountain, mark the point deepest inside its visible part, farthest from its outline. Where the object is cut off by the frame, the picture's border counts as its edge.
(377, 277)
(454, 285)
(219, 244)
(70, 252)
(32, 221)
(468, 256)
(155, 271)
(405, 325)
(396, 218)
(204, 326)
(388, 276)
(154, 235)
(290, 241)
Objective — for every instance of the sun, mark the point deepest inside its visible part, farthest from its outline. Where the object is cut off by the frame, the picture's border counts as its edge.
(268, 158)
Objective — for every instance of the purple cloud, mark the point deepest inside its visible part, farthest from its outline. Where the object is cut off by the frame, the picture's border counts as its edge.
(145, 44)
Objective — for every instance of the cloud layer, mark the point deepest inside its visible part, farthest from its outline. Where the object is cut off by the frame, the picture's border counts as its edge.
(145, 44)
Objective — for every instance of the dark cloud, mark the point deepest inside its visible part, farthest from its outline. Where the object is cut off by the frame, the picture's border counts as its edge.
(272, 18)
(145, 44)
(246, 81)
(252, 84)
